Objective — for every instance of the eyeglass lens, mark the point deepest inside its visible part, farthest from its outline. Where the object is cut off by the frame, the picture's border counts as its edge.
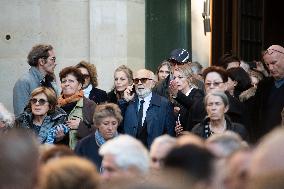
(143, 80)
(40, 101)
(215, 84)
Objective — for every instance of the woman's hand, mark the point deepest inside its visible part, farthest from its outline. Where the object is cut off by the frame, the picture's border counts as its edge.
(128, 94)
(59, 133)
(173, 88)
(73, 123)
(176, 109)
(178, 128)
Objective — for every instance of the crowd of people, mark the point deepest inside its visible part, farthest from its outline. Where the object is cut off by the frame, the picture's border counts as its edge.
(183, 126)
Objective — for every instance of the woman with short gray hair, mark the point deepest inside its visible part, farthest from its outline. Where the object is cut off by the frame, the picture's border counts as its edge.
(216, 122)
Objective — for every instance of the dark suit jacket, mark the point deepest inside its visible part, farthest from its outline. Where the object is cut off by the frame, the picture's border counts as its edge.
(159, 118)
(98, 96)
(265, 108)
(88, 148)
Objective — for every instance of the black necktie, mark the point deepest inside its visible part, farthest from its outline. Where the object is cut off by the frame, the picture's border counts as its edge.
(140, 113)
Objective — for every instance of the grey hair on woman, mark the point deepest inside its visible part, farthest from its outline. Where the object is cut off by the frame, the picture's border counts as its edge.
(222, 95)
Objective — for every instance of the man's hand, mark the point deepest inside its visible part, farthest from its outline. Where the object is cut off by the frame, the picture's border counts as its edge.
(128, 95)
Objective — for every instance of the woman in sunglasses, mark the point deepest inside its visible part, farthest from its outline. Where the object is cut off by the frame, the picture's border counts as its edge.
(79, 109)
(90, 89)
(43, 117)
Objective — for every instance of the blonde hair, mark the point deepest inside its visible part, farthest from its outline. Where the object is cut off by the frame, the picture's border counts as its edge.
(107, 110)
(69, 173)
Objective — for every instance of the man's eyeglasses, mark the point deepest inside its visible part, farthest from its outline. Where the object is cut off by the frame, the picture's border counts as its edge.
(271, 51)
(215, 84)
(143, 80)
(40, 101)
(53, 59)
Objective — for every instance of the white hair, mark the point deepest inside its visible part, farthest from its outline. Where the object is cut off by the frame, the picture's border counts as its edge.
(127, 152)
(228, 141)
(6, 117)
(164, 140)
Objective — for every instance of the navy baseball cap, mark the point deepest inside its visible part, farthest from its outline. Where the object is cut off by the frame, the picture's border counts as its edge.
(180, 55)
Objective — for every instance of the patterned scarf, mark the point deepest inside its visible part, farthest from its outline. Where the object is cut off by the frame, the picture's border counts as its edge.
(63, 101)
(100, 139)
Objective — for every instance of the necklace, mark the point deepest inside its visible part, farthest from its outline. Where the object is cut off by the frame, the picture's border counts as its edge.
(219, 130)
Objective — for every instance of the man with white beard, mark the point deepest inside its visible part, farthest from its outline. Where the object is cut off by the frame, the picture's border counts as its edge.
(147, 115)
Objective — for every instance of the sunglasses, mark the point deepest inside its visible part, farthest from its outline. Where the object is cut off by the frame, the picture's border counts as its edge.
(271, 51)
(85, 76)
(143, 80)
(40, 101)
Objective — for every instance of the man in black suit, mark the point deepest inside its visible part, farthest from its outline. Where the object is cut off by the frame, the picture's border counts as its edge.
(268, 101)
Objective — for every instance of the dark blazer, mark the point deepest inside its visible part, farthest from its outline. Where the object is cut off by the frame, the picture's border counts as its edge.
(98, 96)
(112, 97)
(159, 118)
(199, 129)
(186, 104)
(88, 148)
(265, 107)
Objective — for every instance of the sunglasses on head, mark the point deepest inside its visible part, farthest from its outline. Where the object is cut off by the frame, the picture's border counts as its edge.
(271, 51)
(143, 80)
(40, 101)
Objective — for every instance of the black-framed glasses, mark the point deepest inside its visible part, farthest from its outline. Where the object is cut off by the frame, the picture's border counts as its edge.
(270, 51)
(40, 101)
(215, 84)
(143, 80)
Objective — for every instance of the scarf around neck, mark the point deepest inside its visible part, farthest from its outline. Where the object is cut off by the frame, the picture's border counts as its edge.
(63, 101)
(100, 139)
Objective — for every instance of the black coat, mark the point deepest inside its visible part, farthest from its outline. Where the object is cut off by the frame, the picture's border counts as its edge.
(186, 105)
(98, 96)
(237, 112)
(265, 107)
(199, 129)
(88, 148)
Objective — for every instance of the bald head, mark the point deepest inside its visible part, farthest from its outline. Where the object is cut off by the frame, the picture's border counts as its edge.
(268, 156)
(274, 59)
(190, 138)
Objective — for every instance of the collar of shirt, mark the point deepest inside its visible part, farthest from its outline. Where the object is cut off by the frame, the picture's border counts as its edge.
(88, 90)
(278, 83)
(189, 91)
